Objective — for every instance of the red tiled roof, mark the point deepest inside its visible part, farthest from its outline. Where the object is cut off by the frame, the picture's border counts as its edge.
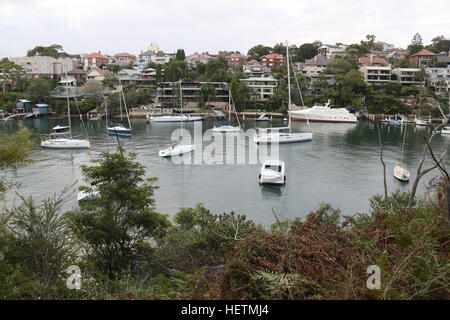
(96, 55)
(102, 72)
(375, 60)
(236, 55)
(424, 52)
(252, 62)
(125, 54)
(273, 56)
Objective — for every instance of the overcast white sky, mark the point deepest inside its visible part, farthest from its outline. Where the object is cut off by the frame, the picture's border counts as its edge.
(84, 26)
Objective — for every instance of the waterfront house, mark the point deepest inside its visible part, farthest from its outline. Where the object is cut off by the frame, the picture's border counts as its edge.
(41, 66)
(169, 94)
(235, 60)
(263, 87)
(439, 80)
(254, 68)
(331, 51)
(123, 59)
(196, 57)
(313, 67)
(372, 61)
(95, 60)
(423, 58)
(406, 76)
(376, 74)
(162, 58)
(143, 59)
(97, 74)
(273, 60)
(129, 76)
(23, 106)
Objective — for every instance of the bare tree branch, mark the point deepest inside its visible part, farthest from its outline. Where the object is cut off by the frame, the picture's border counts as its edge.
(382, 161)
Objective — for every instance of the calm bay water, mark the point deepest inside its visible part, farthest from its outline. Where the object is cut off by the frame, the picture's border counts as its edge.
(341, 166)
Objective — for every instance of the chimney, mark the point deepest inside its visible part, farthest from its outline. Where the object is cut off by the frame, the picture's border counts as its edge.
(99, 52)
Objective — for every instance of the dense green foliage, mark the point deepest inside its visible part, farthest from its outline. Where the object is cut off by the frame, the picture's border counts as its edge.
(128, 251)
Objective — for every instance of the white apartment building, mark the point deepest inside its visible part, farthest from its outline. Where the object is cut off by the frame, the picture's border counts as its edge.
(36, 67)
(406, 76)
(263, 87)
(376, 74)
(330, 51)
(440, 80)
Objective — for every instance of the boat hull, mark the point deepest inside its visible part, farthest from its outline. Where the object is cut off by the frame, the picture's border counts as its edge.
(120, 132)
(177, 150)
(226, 129)
(66, 144)
(176, 119)
(282, 138)
(297, 118)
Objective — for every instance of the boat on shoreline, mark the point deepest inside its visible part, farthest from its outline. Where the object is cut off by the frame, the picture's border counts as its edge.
(324, 113)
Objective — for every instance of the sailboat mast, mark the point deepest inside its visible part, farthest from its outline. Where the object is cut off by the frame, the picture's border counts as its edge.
(289, 86)
(229, 105)
(125, 104)
(120, 99)
(68, 107)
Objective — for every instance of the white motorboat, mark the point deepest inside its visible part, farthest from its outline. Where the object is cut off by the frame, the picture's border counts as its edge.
(272, 172)
(263, 117)
(180, 118)
(85, 195)
(264, 136)
(176, 150)
(421, 122)
(324, 113)
(401, 173)
(54, 141)
(226, 126)
(276, 135)
(65, 143)
(445, 131)
(60, 130)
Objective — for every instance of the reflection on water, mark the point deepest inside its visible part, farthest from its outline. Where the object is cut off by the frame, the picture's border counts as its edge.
(340, 166)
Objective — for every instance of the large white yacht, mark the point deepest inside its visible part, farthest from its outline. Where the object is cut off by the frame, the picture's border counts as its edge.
(324, 113)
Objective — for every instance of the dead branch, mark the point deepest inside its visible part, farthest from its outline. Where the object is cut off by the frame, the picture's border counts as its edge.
(421, 173)
(382, 161)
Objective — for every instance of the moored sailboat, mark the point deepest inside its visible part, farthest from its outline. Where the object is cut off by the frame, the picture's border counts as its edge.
(273, 135)
(56, 140)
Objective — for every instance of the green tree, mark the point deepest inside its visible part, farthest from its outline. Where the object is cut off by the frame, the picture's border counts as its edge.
(116, 227)
(39, 242)
(39, 90)
(416, 44)
(180, 55)
(158, 73)
(207, 92)
(258, 51)
(306, 51)
(11, 72)
(14, 152)
(54, 51)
